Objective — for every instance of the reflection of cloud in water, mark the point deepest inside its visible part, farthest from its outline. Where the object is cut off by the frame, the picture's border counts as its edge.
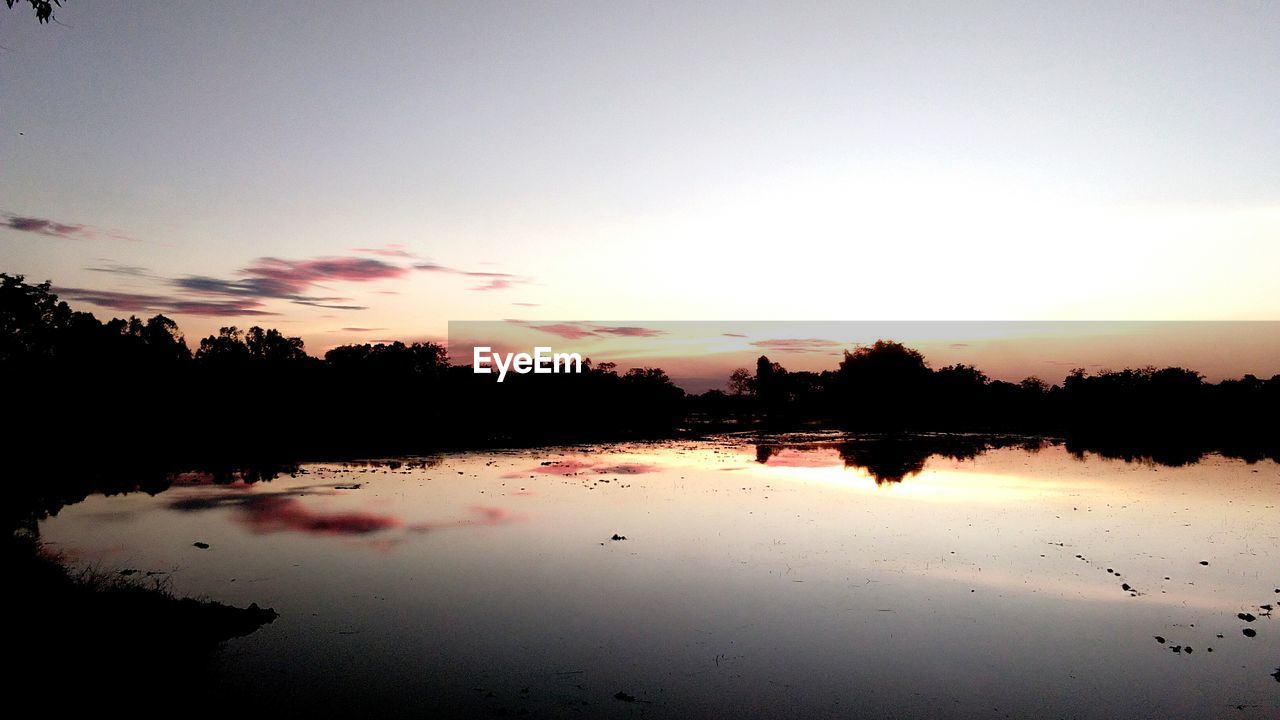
(482, 515)
(283, 511)
(279, 514)
(210, 501)
(575, 466)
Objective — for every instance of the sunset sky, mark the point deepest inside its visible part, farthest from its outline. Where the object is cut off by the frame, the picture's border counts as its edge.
(353, 172)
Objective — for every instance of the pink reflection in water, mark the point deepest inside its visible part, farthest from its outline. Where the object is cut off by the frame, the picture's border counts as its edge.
(791, 457)
(575, 467)
(281, 514)
(481, 515)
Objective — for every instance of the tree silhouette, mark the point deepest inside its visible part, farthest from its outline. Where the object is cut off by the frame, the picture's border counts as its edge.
(881, 385)
(31, 318)
(226, 348)
(42, 8)
(740, 382)
(271, 346)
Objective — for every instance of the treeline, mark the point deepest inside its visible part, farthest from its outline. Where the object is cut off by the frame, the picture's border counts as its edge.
(890, 387)
(82, 389)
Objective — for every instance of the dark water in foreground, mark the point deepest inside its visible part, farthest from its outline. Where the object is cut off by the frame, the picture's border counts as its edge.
(488, 582)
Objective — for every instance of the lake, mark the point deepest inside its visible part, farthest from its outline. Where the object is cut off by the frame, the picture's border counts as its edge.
(799, 576)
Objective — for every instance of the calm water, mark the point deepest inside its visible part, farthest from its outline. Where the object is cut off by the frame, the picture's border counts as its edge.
(799, 586)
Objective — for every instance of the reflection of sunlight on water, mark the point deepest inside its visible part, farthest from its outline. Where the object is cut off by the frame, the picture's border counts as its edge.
(823, 466)
(1101, 589)
(935, 485)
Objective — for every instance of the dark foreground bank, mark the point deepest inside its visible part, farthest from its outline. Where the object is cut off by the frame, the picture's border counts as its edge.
(92, 639)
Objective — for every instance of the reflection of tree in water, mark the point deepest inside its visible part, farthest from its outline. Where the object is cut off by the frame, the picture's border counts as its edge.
(1174, 451)
(33, 501)
(892, 458)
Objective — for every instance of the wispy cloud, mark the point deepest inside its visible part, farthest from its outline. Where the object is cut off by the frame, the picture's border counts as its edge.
(293, 277)
(797, 345)
(293, 280)
(53, 228)
(142, 302)
(114, 268)
(568, 331)
(393, 250)
(50, 228)
(628, 331)
(488, 280)
(300, 281)
(577, 331)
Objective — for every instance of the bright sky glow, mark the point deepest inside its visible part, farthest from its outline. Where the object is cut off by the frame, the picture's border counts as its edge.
(416, 163)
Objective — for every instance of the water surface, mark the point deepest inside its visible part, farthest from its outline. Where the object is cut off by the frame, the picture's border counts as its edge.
(801, 577)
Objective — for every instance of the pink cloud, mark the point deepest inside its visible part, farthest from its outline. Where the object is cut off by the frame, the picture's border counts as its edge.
(577, 331)
(267, 278)
(567, 331)
(293, 277)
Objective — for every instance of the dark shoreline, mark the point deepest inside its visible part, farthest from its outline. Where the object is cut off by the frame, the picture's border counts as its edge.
(105, 634)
